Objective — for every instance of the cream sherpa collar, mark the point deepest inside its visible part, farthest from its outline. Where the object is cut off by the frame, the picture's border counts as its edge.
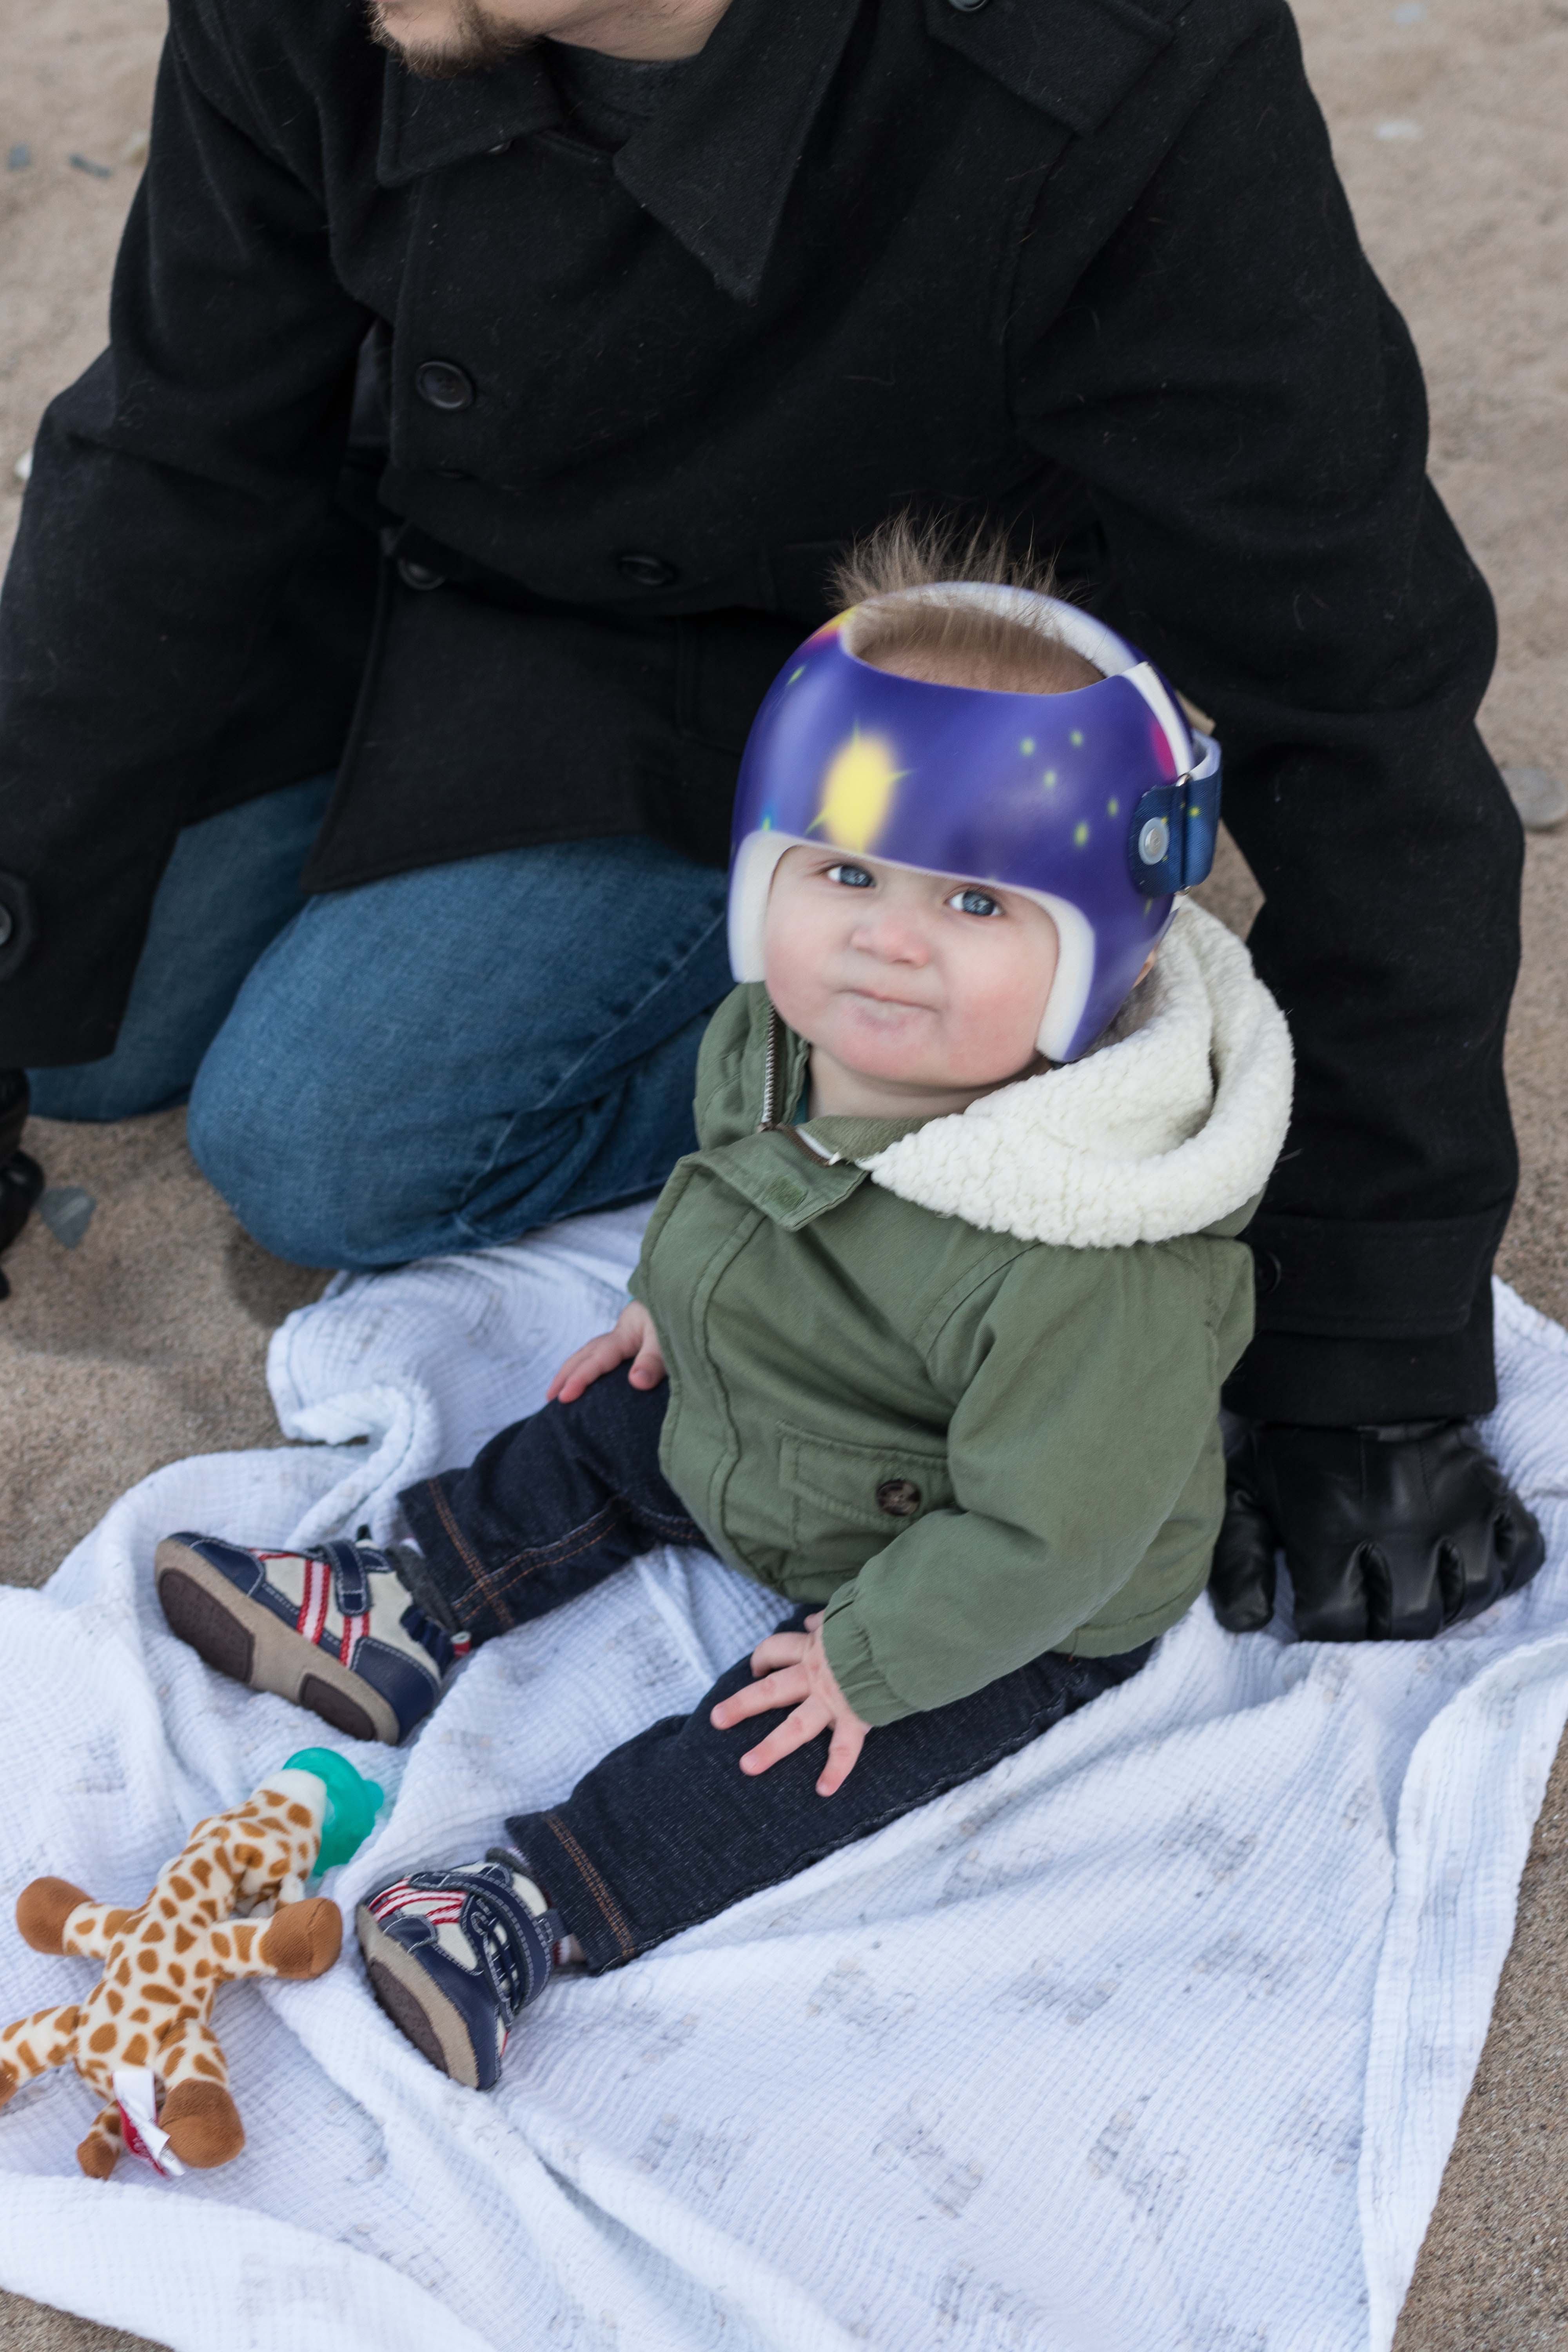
(1172, 1124)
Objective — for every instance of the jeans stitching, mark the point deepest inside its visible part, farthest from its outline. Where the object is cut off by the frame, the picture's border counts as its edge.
(469, 1560)
(681, 1527)
(595, 1885)
(552, 1555)
(538, 1556)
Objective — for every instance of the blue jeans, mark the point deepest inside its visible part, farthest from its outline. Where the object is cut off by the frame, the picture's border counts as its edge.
(430, 1062)
(666, 1830)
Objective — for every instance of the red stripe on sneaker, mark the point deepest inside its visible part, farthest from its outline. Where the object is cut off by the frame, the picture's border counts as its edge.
(311, 1620)
(354, 1629)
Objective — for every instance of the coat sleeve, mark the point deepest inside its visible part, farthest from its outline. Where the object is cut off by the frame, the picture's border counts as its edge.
(175, 488)
(1085, 1391)
(1245, 407)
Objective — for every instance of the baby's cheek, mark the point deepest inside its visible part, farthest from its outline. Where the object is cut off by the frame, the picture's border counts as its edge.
(999, 1027)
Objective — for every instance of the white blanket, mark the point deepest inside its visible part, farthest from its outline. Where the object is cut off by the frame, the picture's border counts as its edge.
(1157, 2036)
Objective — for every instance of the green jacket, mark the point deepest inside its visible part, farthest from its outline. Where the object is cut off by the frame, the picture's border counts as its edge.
(971, 1444)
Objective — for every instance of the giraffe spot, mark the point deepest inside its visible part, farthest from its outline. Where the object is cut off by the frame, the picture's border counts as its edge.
(204, 1968)
(201, 1872)
(221, 1944)
(135, 2051)
(122, 1973)
(154, 1932)
(168, 1906)
(176, 1973)
(141, 2017)
(25, 2054)
(162, 1993)
(250, 1855)
(300, 1818)
(269, 1821)
(243, 1940)
(114, 1921)
(206, 2066)
(146, 1962)
(115, 2000)
(182, 1888)
(183, 1939)
(105, 2038)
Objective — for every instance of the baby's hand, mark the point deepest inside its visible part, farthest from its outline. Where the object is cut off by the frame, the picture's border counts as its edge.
(793, 1671)
(632, 1336)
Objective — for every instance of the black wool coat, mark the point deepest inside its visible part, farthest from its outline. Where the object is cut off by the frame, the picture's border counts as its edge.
(1081, 264)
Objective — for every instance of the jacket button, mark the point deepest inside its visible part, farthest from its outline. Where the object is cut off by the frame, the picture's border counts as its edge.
(900, 1498)
(645, 570)
(966, 7)
(1266, 1272)
(6, 925)
(442, 383)
(419, 576)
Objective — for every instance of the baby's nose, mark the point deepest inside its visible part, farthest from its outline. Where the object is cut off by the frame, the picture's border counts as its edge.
(892, 936)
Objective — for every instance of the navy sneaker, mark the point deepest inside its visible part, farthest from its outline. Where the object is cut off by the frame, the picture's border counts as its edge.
(331, 1629)
(455, 1956)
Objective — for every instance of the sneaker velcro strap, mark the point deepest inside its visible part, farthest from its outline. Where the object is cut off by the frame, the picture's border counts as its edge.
(530, 1940)
(351, 1577)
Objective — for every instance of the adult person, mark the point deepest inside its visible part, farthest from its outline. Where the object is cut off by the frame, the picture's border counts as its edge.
(611, 321)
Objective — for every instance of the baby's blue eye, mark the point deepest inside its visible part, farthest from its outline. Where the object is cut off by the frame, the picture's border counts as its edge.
(854, 878)
(974, 902)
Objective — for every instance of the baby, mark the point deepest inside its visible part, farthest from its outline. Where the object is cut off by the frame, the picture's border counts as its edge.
(927, 1335)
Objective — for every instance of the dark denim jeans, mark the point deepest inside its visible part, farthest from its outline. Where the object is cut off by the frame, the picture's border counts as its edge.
(433, 1062)
(666, 1830)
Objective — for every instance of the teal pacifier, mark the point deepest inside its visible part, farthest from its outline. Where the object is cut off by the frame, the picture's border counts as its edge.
(352, 1802)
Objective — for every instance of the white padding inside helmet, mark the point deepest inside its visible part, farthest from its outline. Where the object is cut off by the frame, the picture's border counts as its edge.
(751, 879)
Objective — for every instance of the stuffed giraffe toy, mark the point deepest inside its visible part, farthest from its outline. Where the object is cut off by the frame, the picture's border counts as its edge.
(163, 1961)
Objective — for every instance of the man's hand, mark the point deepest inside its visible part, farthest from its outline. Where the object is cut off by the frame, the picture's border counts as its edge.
(632, 1336)
(1389, 1534)
(793, 1671)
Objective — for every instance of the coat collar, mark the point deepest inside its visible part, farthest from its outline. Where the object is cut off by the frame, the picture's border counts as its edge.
(714, 166)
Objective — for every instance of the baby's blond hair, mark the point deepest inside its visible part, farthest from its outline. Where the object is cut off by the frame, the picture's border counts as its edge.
(957, 640)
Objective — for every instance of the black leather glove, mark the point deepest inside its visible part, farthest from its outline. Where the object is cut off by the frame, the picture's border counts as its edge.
(1389, 1534)
(21, 1178)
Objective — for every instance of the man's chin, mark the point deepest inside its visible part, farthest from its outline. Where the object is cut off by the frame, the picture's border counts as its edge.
(441, 41)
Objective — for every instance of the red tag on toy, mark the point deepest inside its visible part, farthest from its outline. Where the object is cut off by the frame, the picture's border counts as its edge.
(136, 2089)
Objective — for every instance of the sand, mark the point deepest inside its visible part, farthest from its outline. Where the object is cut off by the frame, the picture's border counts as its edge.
(147, 1340)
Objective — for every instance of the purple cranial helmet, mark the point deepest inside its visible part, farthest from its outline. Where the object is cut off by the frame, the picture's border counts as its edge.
(1099, 803)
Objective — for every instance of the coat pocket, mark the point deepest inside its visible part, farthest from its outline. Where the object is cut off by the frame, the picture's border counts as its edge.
(837, 1488)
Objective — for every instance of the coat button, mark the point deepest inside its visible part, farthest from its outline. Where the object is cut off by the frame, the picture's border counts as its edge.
(645, 570)
(900, 1498)
(1267, 1271)
(442, 383)
(419, 576)
(966, 7)
(6, 925)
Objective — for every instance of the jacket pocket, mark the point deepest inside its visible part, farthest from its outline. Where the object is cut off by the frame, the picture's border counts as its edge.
(835, 1486)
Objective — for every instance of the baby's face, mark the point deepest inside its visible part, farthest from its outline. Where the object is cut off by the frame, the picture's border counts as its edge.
(910, 979)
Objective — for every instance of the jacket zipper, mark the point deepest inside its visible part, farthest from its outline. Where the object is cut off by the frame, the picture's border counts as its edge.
(770, 1123)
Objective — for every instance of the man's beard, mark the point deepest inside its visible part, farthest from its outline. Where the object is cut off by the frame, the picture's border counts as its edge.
(473, 41)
